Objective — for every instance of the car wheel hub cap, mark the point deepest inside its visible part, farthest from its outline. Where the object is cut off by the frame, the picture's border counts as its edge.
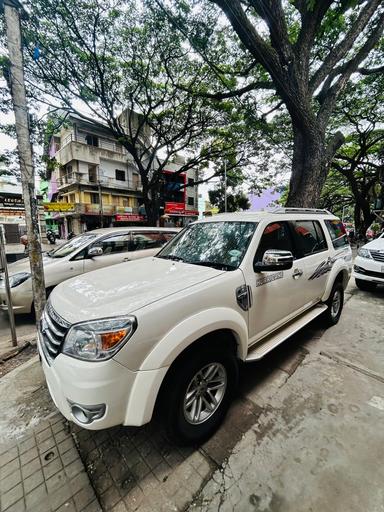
(336, 304)
(205, 393)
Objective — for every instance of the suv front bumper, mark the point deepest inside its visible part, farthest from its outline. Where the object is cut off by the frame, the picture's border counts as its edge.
(129, 397)
(368, 270)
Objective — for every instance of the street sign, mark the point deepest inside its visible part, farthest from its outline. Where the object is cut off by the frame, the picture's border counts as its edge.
(59, 207)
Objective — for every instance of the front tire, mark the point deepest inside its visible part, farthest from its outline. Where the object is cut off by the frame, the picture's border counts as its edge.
(366, 286)
(335, 305)
(199, 392)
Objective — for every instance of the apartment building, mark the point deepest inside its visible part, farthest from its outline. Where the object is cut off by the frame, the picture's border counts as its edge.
(96, 175)
(97, 179)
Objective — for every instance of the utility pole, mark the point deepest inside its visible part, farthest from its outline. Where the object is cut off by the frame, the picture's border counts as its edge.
(12, 10)
(225, 185)
(100, 197)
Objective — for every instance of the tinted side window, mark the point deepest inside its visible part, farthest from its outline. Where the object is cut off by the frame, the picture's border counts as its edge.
(146, 240)
(114, 244)
(275, 236)
(309, 237)
(337, 231)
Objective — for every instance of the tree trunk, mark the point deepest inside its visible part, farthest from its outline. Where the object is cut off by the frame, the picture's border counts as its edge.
(309, 168)
(151, 207)
(363, 216)
(25, 156)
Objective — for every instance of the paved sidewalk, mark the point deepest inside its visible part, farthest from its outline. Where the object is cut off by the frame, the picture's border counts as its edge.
(319, 444)
(43, 472)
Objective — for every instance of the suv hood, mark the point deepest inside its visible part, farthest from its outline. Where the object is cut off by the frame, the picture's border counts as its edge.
(125, 288)
(376, 244)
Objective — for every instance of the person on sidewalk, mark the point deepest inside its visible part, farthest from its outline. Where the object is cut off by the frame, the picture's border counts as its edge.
(24, 241)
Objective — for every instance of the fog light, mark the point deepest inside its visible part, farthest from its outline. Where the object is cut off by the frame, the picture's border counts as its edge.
(86, 414)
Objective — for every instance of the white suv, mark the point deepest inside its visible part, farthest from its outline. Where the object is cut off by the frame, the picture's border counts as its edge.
(368, 269)
(89, 251)
(172, 329)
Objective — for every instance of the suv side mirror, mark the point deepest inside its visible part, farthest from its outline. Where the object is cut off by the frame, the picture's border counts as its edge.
(95, 251)
(274, 260)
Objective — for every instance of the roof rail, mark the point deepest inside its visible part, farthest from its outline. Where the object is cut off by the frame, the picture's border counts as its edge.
(281, 209)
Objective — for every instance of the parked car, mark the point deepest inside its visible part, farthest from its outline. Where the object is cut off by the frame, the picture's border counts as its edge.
(368, 269)
(170, 331)
(83, 253)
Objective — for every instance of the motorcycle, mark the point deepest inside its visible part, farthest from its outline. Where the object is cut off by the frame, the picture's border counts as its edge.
(51, 236)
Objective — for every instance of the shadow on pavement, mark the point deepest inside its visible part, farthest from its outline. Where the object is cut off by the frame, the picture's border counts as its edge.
(139, 469)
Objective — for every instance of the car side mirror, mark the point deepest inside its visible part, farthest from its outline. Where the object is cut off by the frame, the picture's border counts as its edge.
(95, 251)
(274, 260)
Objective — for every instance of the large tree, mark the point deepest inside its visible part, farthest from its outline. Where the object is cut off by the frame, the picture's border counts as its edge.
(357, 170)
(99, 58)
(306, 50)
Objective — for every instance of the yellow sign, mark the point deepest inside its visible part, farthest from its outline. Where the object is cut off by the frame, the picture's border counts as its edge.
(59, 207)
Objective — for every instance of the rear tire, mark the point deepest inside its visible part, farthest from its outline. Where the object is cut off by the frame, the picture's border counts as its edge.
(335, 305)
(366, 286)
(198, 393)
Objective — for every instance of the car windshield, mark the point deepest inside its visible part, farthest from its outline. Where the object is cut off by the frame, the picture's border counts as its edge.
(71, 246)
(220, 245)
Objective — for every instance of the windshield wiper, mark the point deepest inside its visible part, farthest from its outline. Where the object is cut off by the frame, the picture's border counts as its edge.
(172, 257)
(213, 264)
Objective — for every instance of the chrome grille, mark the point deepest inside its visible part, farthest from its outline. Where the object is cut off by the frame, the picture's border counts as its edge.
(377, 255)
(53, 330)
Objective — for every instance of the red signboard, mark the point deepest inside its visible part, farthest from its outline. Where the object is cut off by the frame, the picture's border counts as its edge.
(174, 207)
(129, 217)
(178, 209)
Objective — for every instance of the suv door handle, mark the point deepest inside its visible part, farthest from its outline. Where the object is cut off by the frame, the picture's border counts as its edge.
(126, 259)
(297, 273)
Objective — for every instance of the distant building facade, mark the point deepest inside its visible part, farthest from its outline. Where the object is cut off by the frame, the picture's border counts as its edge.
(97, 178)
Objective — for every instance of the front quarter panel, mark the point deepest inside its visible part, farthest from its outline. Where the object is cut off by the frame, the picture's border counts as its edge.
(167, 326)
(340, 262)
(194, 328)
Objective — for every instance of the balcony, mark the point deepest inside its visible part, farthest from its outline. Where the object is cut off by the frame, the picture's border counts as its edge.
(94, 209)
(76, 148)
(78, 178)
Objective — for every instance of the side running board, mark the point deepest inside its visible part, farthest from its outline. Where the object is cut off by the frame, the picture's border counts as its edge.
(262, 347)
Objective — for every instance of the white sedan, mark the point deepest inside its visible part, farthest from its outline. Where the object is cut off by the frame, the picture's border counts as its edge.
(89, 251)
(368, 269)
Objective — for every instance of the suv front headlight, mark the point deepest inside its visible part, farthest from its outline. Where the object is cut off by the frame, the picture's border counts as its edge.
(19, 278)
(99, 340)
(364, 253)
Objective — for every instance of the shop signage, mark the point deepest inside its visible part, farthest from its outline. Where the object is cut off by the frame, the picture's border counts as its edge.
(178, 209)
(129, 217)
(59, 207)
(11, 201)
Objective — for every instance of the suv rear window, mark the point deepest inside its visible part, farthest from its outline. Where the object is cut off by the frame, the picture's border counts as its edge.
(338, 234)
(309, 237)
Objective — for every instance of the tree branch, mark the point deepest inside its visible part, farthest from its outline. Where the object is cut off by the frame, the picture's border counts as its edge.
(341, 50)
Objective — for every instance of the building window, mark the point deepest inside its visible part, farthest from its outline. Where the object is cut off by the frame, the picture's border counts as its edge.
(92, 140)
(191, 201)
(94, 198)
(92, 173)
(120, 175)
(191, 182)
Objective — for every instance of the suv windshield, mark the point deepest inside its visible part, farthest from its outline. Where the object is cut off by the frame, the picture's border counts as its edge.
(217, 244)
(71, 246)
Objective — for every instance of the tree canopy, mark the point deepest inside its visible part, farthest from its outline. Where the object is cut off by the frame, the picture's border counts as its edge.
(300, 54)
(100, 58)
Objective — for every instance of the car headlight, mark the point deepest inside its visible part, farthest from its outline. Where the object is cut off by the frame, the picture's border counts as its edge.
(364, 253)
(19, 278)
(99, 340)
